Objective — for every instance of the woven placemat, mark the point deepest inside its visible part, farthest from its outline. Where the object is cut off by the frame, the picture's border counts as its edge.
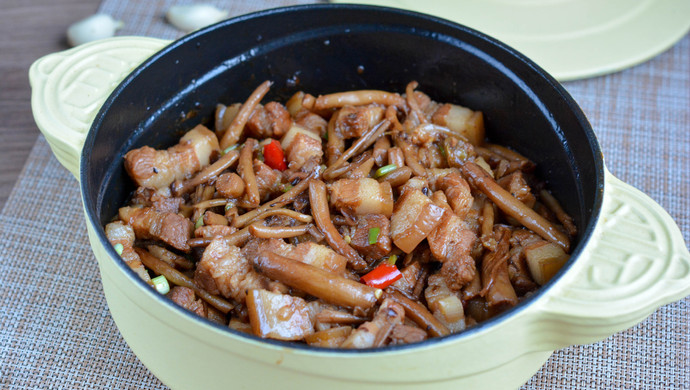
(56, 331)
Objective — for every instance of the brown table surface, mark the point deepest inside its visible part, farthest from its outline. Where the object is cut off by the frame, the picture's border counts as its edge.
(29, 29)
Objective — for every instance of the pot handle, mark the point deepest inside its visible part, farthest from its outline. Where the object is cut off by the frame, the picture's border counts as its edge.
(69, 87)
(635, 262)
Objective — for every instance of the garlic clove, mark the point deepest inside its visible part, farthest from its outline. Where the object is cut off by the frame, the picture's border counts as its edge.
(93, 28)
(195, 16)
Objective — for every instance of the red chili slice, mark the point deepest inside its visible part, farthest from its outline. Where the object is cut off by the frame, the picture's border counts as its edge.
(382, 276)
(273, 156)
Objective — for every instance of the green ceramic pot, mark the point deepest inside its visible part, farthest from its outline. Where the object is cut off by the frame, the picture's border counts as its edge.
(96, 101)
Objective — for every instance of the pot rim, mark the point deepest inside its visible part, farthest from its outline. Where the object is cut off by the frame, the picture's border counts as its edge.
(526, 305)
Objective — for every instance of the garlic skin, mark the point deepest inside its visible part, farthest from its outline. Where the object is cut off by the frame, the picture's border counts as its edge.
(93, 28)
(193, 17)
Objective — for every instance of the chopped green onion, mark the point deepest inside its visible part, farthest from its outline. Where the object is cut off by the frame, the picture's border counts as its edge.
(442, 150)
(374, 235)
(286, 187)
(119, 248)
(231, 147)
(384, 170)
(199, 222)
(393, 259)
(161, 284)
(229, 205)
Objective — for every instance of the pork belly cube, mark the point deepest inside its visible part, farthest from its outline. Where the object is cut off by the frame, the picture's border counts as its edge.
(302, 148)
(362, 196)
(203, 141)
(516, 184)
(153, 168)
(544, 260)
(415, 216)
(312, 122)
(461, 120)
(459, 271)
(300, 145)
(185, 297)
(456, 189)
(319, 256)
(451, 238)
(269, 121)
(360, 239)
(353, 121)
(224, 270)
(415, 183)
(267, 179)
(211, 231)
(294, 131)
(451, 243)
(278, 316)
(173, 229)
(119, 233)
(167, 205)
(276, 245)
(444, 304)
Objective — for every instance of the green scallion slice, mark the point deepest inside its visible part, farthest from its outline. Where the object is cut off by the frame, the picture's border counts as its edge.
(392, 259)
(119, 248)
(442, 150)
(199, 222)
(384, 170)
(231, 147)
(161, 284)
(286, 187)
(374, 235)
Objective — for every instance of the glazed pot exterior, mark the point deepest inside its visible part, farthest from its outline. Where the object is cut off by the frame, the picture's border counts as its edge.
(630, 257)
(214, 358)
(577, 309)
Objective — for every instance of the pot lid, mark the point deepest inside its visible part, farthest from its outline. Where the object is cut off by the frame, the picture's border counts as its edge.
(571, 39)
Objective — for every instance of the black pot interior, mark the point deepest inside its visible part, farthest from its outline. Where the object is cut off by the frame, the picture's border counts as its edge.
(328, 48)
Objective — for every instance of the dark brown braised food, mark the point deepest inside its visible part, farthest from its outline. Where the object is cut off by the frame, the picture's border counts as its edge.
(355, 220)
